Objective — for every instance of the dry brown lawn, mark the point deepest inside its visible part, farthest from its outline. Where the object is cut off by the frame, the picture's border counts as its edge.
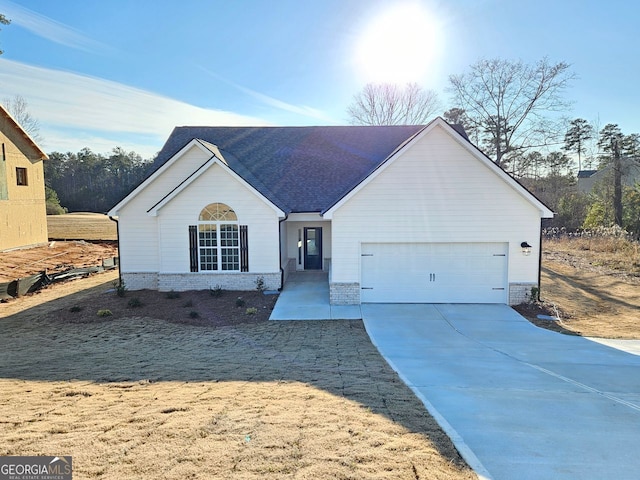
(138, 397)
(81, 226)
(595, 286)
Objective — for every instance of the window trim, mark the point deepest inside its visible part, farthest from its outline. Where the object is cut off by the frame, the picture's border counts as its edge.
(22, 177)
(220, 247)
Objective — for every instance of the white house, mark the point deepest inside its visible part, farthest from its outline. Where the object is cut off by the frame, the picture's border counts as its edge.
(393, 213)
(630, 175)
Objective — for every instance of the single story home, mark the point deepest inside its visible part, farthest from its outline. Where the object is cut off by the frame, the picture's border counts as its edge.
(413, 214)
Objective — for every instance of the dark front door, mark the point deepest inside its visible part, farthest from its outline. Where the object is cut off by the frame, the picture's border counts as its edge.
(313, 248)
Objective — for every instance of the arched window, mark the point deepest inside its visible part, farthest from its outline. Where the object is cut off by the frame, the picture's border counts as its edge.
(218, 238)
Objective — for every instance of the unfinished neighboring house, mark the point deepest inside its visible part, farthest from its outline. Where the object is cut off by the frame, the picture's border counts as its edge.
(23, 213)
(412, 214)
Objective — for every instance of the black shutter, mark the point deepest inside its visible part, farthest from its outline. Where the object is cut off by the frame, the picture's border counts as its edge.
(244, 248)
(193, 247)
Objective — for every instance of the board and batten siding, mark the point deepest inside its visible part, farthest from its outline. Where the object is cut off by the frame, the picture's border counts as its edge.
(435, 191)
(217, 186)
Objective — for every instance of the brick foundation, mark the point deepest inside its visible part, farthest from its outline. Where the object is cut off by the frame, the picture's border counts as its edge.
(140, 281)
(520, 292)
(181, 282)
(344, 293)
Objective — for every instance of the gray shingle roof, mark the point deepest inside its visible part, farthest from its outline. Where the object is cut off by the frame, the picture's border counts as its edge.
(586, 173)
(299, 169)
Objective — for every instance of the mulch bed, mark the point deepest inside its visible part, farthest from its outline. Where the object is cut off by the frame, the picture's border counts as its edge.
(530, 311)
(203, 308)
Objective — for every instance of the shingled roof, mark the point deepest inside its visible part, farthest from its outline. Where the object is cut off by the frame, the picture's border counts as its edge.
(299, 169)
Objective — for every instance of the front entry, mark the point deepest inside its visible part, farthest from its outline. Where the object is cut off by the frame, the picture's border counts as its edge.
(313, 248)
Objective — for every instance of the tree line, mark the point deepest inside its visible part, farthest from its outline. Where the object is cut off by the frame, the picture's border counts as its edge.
(88, 181)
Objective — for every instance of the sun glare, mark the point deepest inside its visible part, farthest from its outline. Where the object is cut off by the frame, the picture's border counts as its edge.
(398, 46)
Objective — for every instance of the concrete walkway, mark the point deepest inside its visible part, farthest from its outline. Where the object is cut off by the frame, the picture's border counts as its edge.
(520, 402)
(305, 296)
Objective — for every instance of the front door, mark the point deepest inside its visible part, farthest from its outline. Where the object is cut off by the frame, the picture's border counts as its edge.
(313, 248)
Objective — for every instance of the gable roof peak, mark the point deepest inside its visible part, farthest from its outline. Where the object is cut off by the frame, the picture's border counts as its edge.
(4, 114)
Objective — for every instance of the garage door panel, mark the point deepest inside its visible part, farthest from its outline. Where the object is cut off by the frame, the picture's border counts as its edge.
(434, 273)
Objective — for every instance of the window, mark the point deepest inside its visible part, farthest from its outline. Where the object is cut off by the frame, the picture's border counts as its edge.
(218, 238)
(21, 176)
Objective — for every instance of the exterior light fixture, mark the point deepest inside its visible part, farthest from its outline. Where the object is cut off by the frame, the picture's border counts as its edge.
(526, 249)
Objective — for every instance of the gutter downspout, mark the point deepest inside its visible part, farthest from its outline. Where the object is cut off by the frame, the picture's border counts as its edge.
(286, 216)
(540, 263)
(119, 257)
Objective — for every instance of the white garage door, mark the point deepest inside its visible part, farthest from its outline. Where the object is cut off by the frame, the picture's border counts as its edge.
(434, 273)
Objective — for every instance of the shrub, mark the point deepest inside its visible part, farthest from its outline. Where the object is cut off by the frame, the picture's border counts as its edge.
(216, 291)
(193, 314)
(535, 295)
(135, 302)
(188, 303)
(260, 285)
(240, 302)
(251, 311)
(120, 287)
(75, 308)
(172, 295)
(104, 312)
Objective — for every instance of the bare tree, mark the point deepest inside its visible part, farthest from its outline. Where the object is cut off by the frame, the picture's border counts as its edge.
(507, 101)
(19, 110)
(459, 116)
(390, 104)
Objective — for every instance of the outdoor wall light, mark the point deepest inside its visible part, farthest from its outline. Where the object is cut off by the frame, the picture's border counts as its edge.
(526, 249)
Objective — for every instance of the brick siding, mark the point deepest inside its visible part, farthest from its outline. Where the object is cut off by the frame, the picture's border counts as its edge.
(344, 293)
(181, 282)
(520, 292)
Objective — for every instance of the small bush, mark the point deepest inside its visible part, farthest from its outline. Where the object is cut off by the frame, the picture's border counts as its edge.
(240, 302)
(172, 295)
(260, 285)
(75, 308)
(216, 291)
(105, 312)
(188, 303)
(251, 311)
(193, 314)
(120, 287)
(535, 295)
(135, 302)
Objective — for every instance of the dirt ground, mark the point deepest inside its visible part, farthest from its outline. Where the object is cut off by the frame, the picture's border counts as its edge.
(55, 257)
(132, 396)
(595, 294)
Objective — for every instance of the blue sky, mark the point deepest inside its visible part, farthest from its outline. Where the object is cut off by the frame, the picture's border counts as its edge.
(123, 73)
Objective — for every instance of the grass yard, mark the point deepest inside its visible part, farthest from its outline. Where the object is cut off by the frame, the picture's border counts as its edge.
(136, 397)
(81, 226)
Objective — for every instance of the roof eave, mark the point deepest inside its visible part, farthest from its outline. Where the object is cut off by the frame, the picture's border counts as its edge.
(41, 154)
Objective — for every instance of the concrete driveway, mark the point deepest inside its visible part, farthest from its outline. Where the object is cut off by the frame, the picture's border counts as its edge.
(520, 402)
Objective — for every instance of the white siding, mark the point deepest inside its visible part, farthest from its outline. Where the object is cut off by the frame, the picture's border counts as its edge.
(213, 186)
(436, 191)
(161, 243)
(139, 231)
(292, 239)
